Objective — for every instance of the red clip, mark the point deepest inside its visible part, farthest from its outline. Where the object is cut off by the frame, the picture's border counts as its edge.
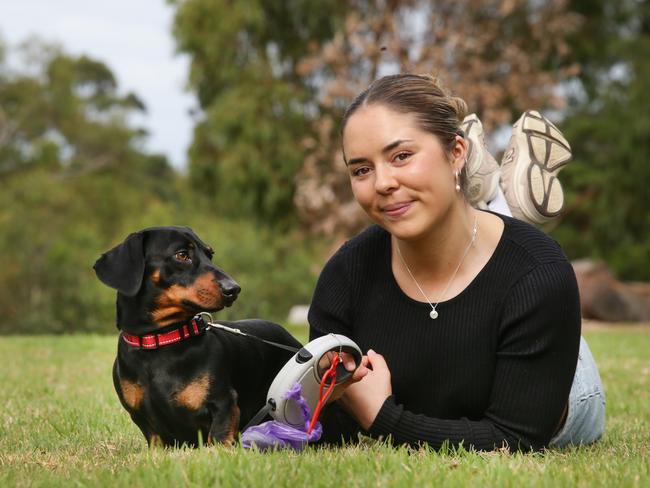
(330, 373)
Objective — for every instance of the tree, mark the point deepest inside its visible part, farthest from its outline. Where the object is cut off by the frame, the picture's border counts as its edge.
(60, 208)
(73, 181)
(255, 108)
(69, 117)
(608, 125)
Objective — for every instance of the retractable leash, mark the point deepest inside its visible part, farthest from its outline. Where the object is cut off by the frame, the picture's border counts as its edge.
(313, 367)
(316, 365)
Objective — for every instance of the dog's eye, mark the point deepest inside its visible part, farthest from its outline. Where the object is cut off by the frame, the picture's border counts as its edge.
(182, 256)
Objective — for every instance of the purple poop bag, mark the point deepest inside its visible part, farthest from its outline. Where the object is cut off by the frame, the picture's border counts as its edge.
(274, 434)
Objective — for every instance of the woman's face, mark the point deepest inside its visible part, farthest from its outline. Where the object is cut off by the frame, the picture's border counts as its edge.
(400, 174)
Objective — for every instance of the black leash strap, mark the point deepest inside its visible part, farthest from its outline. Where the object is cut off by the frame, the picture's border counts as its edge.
(214, 325)
(263, 412)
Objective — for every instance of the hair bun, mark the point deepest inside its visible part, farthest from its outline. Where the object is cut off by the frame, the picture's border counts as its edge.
(459, 106)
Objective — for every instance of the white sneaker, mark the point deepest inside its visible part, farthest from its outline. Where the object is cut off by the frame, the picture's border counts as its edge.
(536, 153)
(481, 168)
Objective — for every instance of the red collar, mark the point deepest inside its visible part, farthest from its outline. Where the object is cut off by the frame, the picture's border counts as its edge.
(171, 335)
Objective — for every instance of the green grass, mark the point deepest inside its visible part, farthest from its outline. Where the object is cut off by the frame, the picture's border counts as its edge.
(61, 425)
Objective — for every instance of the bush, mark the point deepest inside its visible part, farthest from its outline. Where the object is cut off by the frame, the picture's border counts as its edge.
(52, 231)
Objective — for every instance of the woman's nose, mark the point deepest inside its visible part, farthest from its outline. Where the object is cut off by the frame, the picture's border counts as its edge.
(385, 180)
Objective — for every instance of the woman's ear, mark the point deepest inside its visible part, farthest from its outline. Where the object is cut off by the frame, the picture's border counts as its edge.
(459, 153)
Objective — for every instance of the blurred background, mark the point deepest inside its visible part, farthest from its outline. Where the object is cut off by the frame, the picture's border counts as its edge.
(224, 116)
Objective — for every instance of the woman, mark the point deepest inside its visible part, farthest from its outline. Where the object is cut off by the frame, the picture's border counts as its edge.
(471, 319)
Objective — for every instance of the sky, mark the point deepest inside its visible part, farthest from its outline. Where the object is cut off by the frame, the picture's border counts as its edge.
(133, 38)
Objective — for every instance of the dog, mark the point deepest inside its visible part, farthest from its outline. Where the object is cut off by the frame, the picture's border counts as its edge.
(182, 384)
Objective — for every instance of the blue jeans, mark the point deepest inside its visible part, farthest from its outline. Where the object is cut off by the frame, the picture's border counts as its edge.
(585, 421)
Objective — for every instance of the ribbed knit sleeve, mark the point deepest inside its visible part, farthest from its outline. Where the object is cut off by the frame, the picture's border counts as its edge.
(536, 357)
(331, 311)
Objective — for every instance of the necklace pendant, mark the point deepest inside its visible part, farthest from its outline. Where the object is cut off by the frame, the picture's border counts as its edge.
(433, 314)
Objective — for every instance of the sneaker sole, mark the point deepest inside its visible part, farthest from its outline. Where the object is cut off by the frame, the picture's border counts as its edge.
(535, 177)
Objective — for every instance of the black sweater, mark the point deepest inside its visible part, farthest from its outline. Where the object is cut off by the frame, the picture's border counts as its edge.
(494, 369)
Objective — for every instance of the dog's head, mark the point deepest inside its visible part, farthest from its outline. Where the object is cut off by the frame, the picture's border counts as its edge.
(164, 275)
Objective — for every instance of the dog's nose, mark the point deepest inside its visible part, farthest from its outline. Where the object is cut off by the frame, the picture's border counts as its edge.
(230, 289)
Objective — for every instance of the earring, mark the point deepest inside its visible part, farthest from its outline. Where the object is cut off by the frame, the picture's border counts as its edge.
(457, 181)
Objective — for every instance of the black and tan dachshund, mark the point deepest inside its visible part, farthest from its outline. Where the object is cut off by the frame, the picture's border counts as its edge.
(180, 383)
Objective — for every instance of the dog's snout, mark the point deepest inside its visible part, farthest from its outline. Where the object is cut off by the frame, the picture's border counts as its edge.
(230, 289)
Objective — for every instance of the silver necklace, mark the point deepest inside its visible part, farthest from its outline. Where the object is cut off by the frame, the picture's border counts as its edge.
(434, 313)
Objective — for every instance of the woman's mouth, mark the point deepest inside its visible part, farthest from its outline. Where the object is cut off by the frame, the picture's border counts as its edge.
(396, 209)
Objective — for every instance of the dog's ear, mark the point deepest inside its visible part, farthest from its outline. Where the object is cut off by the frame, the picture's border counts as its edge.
(122, 267)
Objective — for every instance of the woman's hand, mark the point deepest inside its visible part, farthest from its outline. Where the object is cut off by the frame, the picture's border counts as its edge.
(350, 365)
(363, 399)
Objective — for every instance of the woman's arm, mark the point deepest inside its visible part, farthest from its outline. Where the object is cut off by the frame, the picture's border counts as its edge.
(330, 310)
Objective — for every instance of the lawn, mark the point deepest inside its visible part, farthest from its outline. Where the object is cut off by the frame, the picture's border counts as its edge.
(62, 425)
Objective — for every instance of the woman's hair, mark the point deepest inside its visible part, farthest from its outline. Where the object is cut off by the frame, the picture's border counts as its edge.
(422, 96)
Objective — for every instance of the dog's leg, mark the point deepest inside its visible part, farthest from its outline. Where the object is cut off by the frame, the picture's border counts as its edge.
(131, 395)
(225, 420)
(155, 441)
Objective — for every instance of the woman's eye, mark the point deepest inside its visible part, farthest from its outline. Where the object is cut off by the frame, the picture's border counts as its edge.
(403, 156)
(182, 256)
(363, 170)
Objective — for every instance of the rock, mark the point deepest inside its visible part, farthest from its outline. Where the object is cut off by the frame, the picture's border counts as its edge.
(605, 298)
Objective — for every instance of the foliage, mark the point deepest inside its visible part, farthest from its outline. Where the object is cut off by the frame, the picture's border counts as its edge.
(247, 143)
(75, 183)
(62, 424)
(65, 148)
(67, 118)
(609, 129)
